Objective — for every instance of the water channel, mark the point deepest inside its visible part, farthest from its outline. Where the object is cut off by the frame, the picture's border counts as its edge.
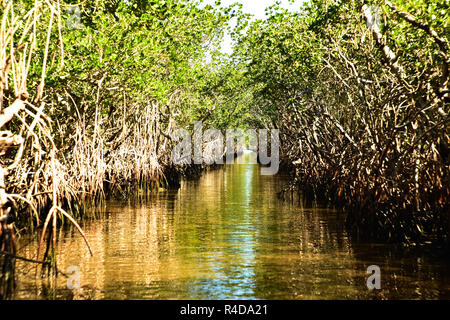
(228, 236)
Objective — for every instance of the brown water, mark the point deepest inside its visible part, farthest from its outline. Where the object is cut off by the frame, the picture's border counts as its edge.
(227, 236)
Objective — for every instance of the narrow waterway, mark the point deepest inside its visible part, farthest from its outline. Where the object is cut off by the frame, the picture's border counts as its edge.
(228, 236)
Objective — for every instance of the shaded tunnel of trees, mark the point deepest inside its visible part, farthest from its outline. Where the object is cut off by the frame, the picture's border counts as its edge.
(91, 91)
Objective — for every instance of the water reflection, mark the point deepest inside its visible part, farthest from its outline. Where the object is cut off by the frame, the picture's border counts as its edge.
(227, 236)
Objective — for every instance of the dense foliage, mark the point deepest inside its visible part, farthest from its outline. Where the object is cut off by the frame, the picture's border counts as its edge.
(360, 93)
